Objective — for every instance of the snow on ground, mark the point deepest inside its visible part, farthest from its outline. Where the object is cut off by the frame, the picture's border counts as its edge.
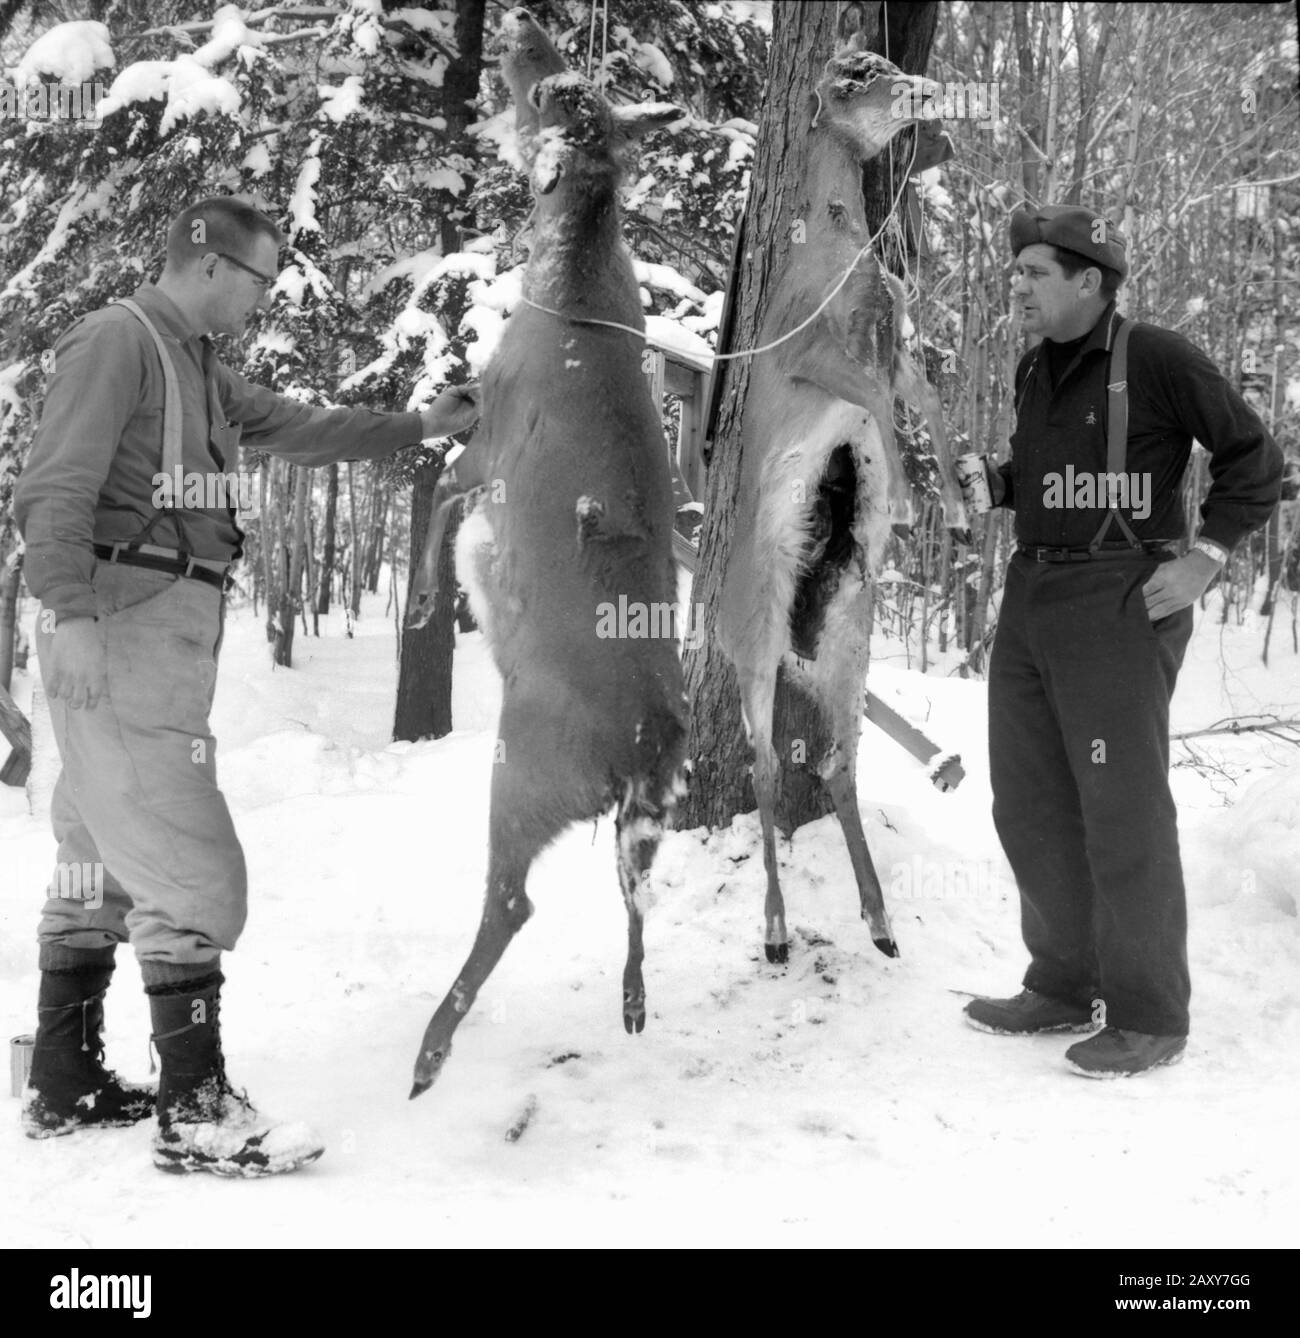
(838, 1100)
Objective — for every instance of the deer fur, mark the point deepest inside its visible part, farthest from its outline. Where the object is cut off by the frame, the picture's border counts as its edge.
(822, 483)
(571, 509)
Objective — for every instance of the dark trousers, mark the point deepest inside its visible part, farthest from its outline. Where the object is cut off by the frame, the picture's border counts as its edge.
(1079, 687)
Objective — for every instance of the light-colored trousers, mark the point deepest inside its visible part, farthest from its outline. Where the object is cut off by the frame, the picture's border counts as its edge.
(138, 790)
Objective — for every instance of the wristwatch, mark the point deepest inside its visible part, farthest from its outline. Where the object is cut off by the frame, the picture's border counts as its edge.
(1211, 551)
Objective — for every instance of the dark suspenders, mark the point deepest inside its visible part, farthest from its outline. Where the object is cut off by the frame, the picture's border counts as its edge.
(1116, 428)
(1117, 436)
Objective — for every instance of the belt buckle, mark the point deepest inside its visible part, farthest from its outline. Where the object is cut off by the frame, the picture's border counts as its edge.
(117, 548)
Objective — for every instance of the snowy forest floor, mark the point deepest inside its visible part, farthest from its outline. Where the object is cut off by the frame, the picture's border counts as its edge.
(838, 1100)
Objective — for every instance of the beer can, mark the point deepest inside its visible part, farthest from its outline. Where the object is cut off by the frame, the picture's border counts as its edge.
(20, 1063)
(974, 481)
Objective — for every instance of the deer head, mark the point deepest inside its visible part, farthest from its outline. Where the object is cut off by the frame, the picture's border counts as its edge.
(581, 138)
(527, 56)
(867, 100)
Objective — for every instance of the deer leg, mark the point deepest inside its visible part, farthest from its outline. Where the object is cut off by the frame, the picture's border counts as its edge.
(424, 589)
(505, 910)
(901, 514)
(639, 829)
(915, 389)
(519, 825)
(837, 771)
(758, 695)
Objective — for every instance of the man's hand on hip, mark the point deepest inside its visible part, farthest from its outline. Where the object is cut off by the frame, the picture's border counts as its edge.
(78, 668)
(453, 411)
(1174, 585)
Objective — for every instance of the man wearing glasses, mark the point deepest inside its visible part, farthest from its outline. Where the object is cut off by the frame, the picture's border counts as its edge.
(132, 595)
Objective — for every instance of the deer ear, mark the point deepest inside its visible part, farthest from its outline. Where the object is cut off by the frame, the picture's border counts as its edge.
(636, 119)
(851, 34)
(548, 167)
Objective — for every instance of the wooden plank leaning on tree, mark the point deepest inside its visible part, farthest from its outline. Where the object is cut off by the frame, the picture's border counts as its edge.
(15, 727)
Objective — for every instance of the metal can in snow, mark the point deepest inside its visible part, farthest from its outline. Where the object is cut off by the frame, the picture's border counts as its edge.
(973, 479)
(20, 1063)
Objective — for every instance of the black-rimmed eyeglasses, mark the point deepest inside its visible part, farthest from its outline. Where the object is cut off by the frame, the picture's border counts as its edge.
(263, 282)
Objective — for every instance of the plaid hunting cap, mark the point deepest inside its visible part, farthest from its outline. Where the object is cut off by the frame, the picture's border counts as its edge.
(1088, 234)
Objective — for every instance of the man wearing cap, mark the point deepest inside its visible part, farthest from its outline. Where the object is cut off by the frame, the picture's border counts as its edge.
(132, 595)
(1096, 615)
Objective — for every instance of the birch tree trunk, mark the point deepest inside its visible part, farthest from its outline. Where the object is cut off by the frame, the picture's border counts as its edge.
(327, 553)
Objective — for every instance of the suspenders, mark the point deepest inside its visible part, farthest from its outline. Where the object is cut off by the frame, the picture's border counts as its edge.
(1117, 434)
(172, 432)
(1116, 428)
(171, 456)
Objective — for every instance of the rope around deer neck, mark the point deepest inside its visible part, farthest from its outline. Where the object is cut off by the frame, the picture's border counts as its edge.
(775, 343)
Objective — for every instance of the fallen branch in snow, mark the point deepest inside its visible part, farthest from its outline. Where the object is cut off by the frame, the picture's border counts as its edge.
(522, 1120)
(1267, 725)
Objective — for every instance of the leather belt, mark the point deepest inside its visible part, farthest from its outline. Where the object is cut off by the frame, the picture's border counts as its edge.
(1149, 549)
(211, 571)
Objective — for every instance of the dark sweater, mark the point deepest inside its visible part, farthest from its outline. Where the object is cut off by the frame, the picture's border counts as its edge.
(1175, 394)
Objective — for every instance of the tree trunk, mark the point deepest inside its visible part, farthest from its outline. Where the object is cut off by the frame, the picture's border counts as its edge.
(358, 546)
(375, 542)
(424, 676)
(291, 596)
(327, 555)
(424, 673)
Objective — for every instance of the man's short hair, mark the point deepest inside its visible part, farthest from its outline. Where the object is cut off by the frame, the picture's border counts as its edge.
(1072, 263)
(220, 223)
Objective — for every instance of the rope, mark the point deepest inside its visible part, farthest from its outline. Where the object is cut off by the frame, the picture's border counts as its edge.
(83, 1004)
(764, 348)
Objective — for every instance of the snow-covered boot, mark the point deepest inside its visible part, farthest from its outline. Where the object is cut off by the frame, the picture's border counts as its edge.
(203, 1123)
(69, 1087)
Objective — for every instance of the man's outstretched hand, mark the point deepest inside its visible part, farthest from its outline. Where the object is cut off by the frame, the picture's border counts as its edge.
(453, 411)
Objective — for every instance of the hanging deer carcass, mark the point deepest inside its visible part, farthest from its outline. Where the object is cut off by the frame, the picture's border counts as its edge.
(821, 479)
(573, 514)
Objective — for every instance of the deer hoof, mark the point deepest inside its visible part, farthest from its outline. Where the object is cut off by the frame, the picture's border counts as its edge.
(777, 952)
(427, 1068)
(901, 529)
(887, 946)
(634, 1016)
(960, 535)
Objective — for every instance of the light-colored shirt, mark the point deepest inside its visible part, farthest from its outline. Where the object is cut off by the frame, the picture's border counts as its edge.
(91, 474)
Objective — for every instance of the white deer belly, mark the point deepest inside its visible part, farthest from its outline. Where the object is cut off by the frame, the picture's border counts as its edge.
(476, 552)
